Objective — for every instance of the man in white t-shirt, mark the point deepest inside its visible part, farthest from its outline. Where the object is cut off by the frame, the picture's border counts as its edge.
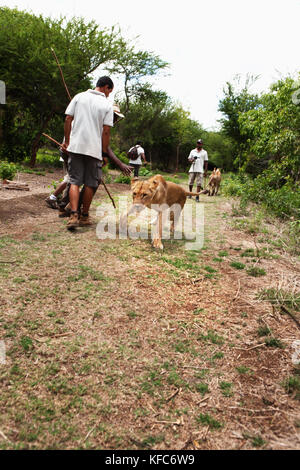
(136, 164)
(199, 159)
(89, 118)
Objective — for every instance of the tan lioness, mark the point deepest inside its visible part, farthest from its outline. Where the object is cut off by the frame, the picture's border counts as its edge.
(160, 195)
(213, 183)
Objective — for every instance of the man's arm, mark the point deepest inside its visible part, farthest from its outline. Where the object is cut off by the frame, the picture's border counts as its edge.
(105, 138)
(67, 131)
(126, 169)
(190, 157)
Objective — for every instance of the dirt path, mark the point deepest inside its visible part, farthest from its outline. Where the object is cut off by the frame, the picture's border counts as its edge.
(112, 345)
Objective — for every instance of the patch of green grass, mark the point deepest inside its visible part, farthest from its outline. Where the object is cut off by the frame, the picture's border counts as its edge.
(281, 297)
(38, 237)
(226, 388)
(218, 260)
(84, 271)
(263, 331)
(257, 441)
(237, 265)
(223, 253)
(174, 379)
(212, 337)
(19, 280)
(151, 381)
(207, 420)
(218, 355)
(249, 253)
(132, 314)
(202, 388)
(243, 370)
(180, 263)
(256, 272)
(274, 343)
(26, 343)
(182, 346)
(197, 311)
(209, 269)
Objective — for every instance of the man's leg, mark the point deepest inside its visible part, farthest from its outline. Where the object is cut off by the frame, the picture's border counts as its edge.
(191, 182)
(92, 177)
(136, 170)
(74, 197)
(199, 184)
(76, 164)
(87, 199)
(52, 199)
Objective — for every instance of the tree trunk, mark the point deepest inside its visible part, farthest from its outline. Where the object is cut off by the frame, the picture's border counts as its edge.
(36, 142)
(177, 158)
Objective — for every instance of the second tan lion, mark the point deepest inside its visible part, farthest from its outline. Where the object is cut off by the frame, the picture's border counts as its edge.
(213, 183)
(158, 194)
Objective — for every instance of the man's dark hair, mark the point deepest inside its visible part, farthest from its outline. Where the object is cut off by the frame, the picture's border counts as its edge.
(139, 142)
(103, 81)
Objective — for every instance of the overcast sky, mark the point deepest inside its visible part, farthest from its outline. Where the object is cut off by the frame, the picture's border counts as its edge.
(206, 42)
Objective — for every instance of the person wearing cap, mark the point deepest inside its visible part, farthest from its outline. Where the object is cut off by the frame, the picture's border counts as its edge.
(199, 159)
(89, 118)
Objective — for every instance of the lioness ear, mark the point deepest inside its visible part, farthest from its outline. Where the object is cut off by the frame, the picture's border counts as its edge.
(134, 182)
(153, 185)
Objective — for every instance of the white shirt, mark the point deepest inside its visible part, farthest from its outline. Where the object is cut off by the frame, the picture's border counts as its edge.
(197, 165)
(91, 111)
(138, 161)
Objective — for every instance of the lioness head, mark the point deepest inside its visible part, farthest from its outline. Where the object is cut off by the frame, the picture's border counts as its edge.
(143, 191)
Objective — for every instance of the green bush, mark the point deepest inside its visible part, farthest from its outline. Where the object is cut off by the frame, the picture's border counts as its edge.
(145, 172)
(282, 201)
(7, 170)
(122, 179)
(49, 158)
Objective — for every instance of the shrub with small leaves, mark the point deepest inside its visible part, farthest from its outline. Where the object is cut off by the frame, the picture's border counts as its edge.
(7, 170)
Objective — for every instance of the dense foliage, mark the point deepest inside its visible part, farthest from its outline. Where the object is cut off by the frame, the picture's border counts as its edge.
(37, 99)
(265, 131)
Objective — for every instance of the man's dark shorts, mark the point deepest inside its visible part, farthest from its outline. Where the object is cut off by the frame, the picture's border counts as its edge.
(84, 169)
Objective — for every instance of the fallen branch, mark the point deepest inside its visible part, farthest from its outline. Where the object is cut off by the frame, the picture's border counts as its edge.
(4, 436)
(89, 433)
(286, 310)
(173, 395)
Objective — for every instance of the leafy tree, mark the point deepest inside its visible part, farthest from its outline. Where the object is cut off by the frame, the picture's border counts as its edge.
(237, 100)
(273, 132)
(132, 67)
(33, 81)
(163, 126)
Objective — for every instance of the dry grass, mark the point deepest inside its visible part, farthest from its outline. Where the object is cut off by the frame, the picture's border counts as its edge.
(111, 345)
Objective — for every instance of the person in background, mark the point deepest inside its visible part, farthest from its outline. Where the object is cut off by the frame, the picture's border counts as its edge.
(135, 161)
(199, 159)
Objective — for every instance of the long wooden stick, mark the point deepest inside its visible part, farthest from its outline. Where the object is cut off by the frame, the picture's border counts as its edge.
(101, 180)
(113, 202)
(51, 138)
(61, 73)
